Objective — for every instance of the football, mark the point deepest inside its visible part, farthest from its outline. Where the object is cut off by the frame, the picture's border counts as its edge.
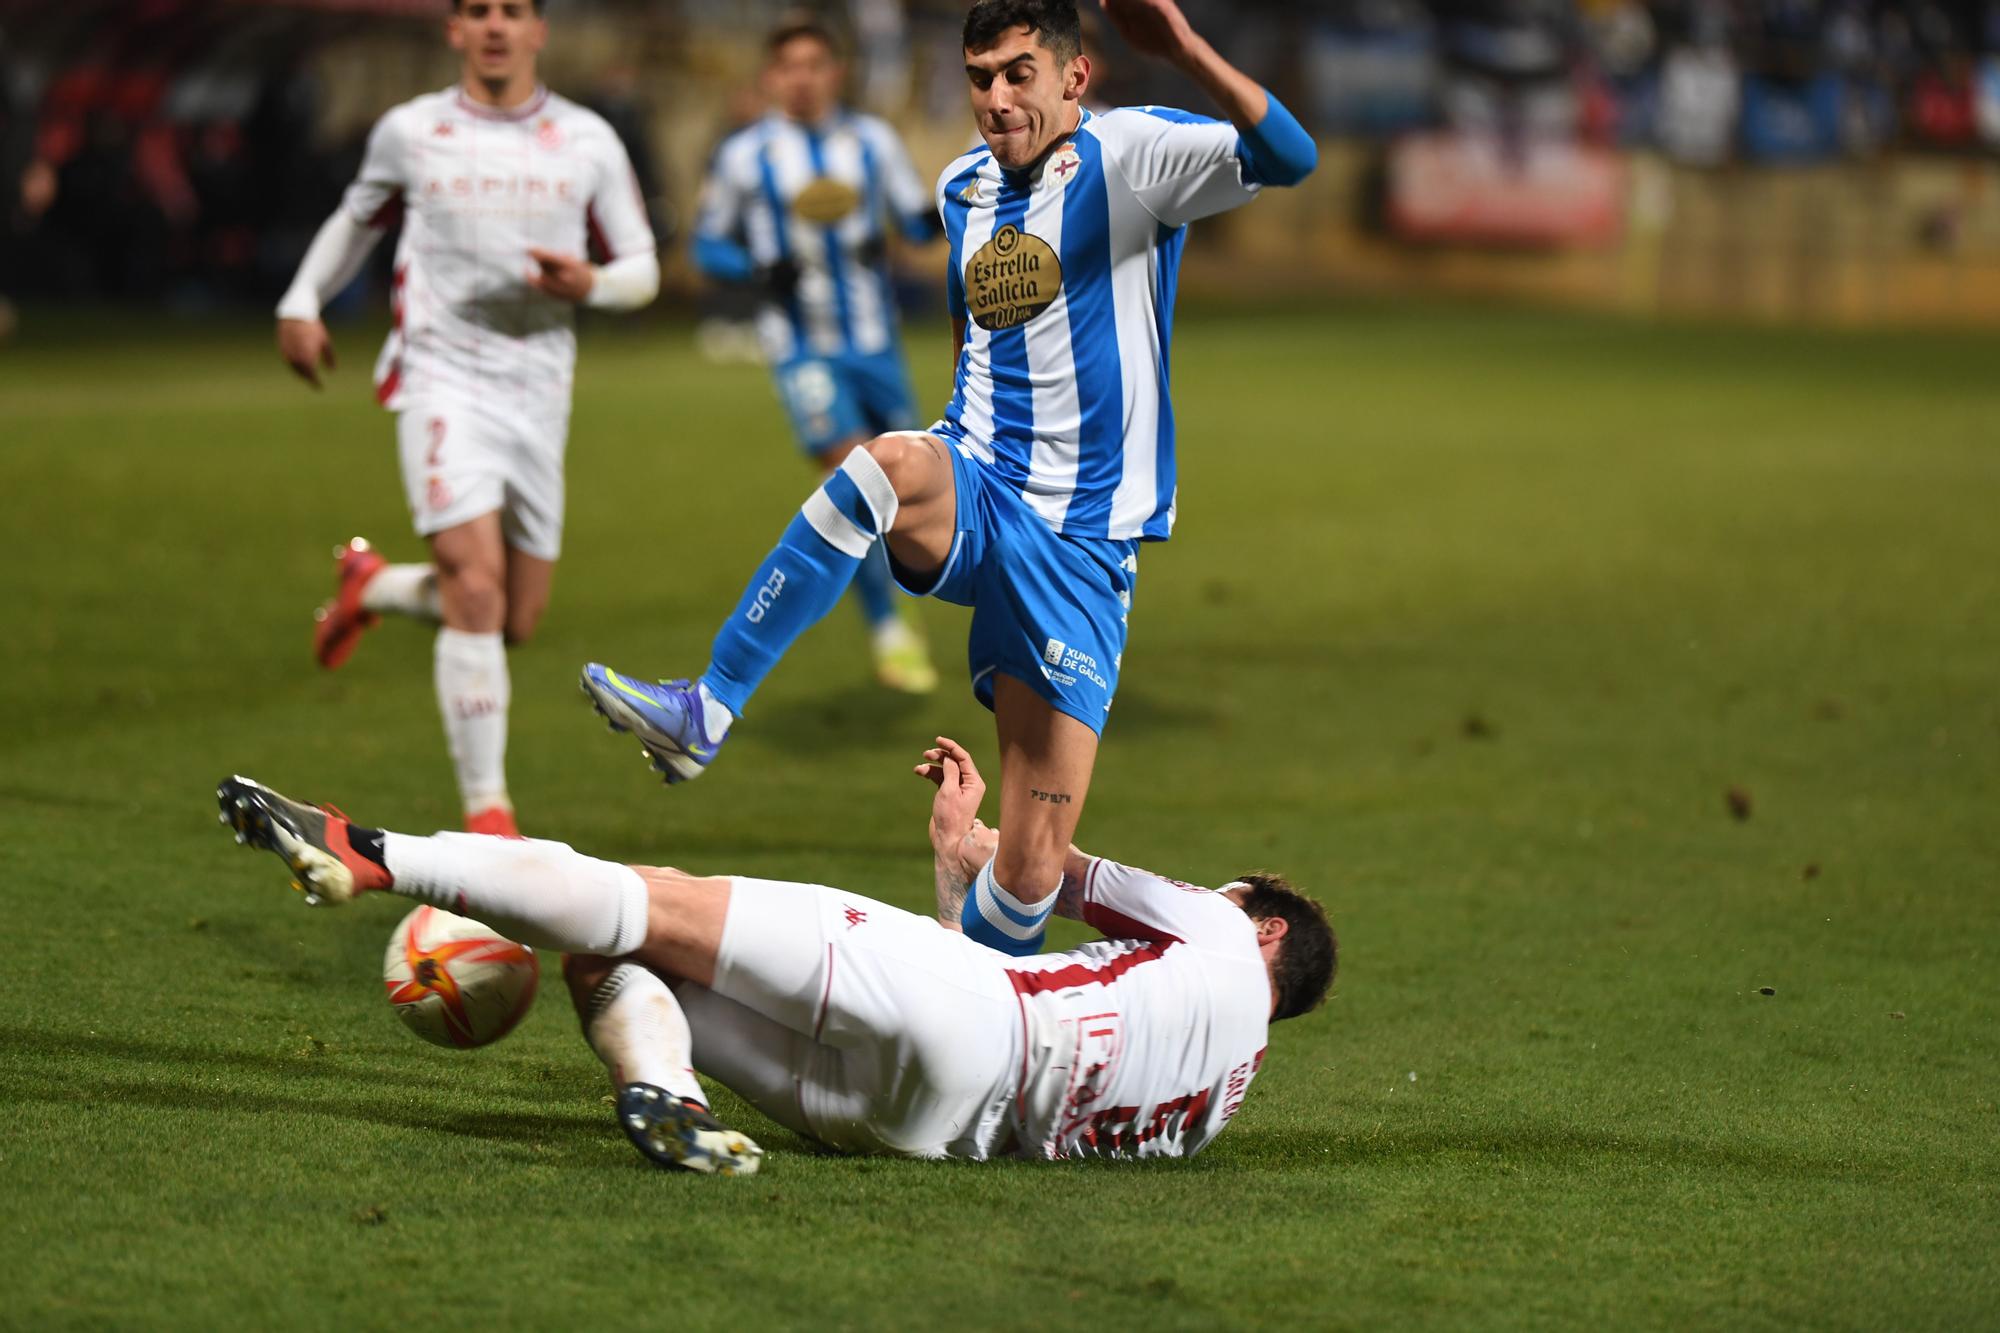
(454, 982)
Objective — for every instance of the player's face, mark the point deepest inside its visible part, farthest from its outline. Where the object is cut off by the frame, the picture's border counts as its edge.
(499, 38)
(1023, 98)
(804, 79)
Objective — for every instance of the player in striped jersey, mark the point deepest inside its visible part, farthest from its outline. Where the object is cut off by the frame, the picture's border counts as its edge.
(1055, 459)
(799, 204)
(499, 185)
(863, 1027)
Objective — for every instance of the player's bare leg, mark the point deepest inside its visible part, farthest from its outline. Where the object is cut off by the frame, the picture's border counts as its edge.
(899, 487)
(529, 579)
(1046, 758)
(473, 686)
(549, 896)
(634, 1023)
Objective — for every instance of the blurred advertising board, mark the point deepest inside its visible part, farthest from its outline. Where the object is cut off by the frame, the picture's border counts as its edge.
(1482, 190)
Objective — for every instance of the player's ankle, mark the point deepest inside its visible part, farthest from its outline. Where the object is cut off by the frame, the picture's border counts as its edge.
(1003, 920)
(367, 846)
(716, 718)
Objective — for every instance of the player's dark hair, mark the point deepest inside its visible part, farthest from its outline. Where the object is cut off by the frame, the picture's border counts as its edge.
(457, 5)
(802, 23)
(1053, 22)
(1309, 955)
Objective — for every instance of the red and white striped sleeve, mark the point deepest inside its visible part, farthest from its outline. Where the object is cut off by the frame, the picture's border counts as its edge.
(1127, 903)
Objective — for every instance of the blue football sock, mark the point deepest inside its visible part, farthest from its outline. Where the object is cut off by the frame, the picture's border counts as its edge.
(872, 589)
(803, 576)
(999, 920)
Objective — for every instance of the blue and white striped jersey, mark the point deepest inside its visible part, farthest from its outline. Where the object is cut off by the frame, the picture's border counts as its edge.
(1066, 283)
(819, 197)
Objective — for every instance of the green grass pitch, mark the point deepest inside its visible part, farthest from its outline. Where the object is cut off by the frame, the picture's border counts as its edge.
(1473, 620)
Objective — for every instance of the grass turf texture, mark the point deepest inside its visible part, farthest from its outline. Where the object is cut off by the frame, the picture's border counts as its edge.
(1472, 621)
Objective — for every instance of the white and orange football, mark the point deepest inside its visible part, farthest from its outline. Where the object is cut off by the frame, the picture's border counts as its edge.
(454, 982)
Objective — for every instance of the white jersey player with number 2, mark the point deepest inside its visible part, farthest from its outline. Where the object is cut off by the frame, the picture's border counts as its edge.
(856, 1024)
(500, 187)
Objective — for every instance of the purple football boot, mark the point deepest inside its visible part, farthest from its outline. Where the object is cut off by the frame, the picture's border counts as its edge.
(666, 717)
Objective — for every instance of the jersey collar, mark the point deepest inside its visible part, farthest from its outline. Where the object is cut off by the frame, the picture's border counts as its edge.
(535, 103)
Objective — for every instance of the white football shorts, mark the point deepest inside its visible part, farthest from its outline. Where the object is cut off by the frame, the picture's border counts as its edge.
(859, 1025)
(462, 458)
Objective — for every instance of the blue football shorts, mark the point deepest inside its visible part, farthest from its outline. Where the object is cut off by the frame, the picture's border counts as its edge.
(1046, 609)
(836, 398)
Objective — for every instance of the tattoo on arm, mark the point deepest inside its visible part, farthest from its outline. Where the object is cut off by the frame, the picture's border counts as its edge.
(1069, 898)
(951, 891)
(1052, 797)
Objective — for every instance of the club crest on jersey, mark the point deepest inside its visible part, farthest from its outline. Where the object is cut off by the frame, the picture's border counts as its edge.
(1011, 279)
(1063, 165)
(548, 134)
(826, 201)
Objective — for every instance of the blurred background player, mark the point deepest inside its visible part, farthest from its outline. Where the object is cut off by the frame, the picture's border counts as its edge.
(800, 203)
(499, 186)
(1054, 459)
(858, 1025)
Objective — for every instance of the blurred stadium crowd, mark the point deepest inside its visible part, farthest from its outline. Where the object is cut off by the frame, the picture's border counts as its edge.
(184, 150)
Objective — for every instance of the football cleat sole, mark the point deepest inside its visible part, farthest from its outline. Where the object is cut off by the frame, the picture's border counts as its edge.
(269, 822)
(681, 1137)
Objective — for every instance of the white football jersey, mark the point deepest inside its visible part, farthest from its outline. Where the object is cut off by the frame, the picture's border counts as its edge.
(1142, 1044)
(475, 187)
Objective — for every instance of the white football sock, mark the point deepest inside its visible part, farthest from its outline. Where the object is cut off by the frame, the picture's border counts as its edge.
(637, 1028)
(543, 894)
(715, 715)
(404, 590)
(891, 635)
(473, 692)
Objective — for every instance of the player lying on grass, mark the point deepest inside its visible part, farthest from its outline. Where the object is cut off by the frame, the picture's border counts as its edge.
(1054, 460)
(859, 1025)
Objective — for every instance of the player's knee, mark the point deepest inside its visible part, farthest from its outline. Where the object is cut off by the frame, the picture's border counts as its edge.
(473, 597)
(908, 461)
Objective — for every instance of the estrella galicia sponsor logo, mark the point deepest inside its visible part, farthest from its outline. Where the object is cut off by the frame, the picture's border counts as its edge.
(766, 596)
(826, 201)
(1011, 279)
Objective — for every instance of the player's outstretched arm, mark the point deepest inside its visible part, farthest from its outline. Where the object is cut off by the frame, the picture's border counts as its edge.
(954, 825)
(1278, 150)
